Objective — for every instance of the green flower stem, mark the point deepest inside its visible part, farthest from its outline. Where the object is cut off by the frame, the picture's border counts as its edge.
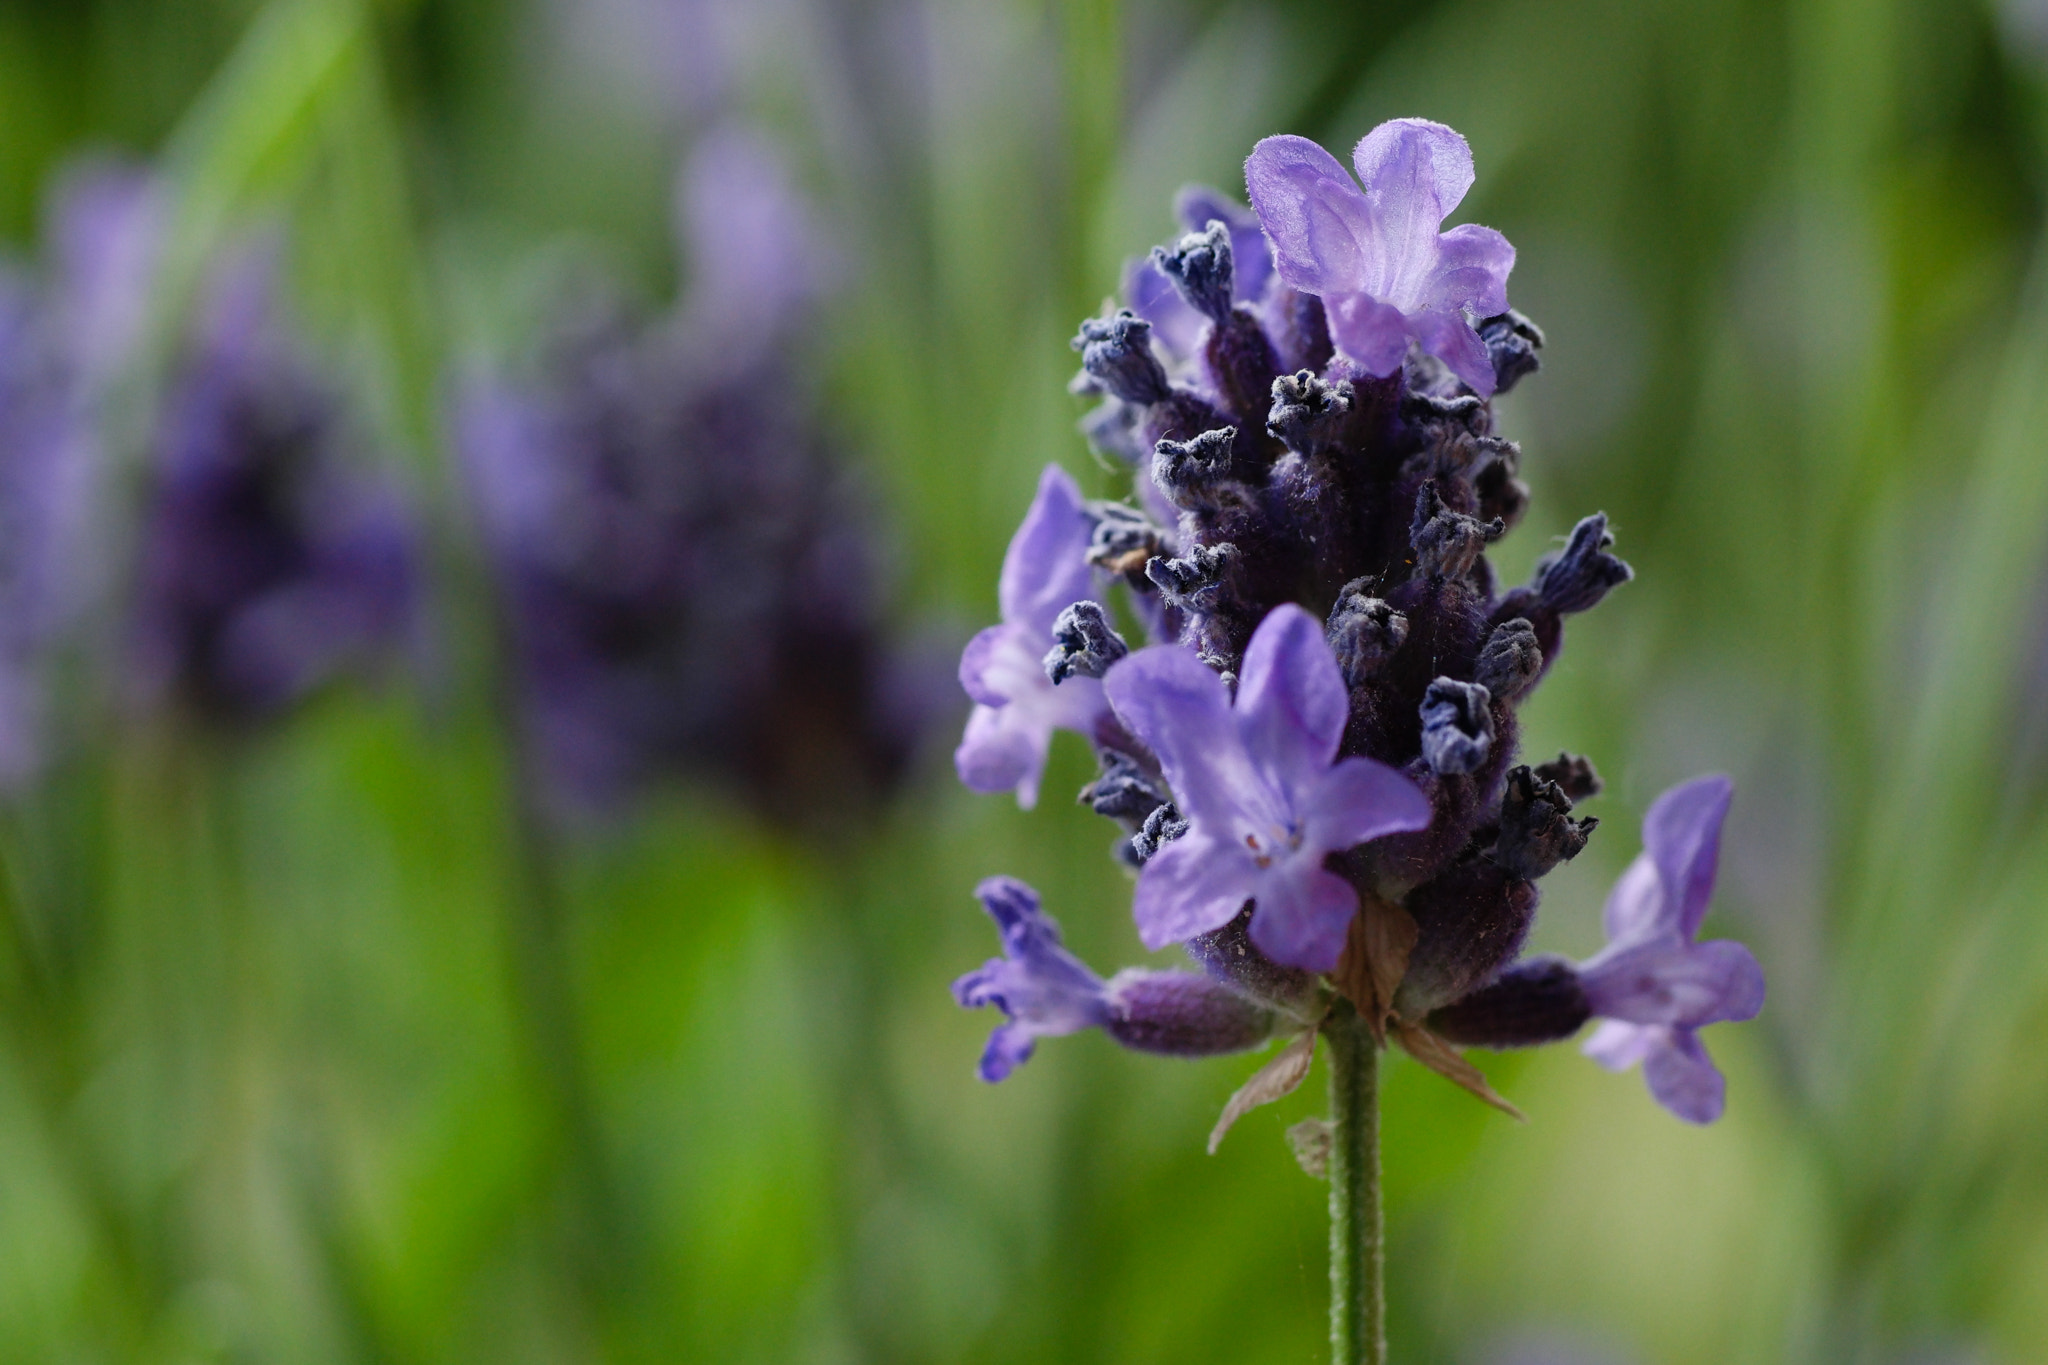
(1358, 1299)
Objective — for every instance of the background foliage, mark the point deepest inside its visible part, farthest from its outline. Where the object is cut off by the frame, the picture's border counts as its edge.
(306, 1053)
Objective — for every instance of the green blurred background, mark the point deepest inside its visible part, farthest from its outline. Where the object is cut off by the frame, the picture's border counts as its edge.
(292, 1070)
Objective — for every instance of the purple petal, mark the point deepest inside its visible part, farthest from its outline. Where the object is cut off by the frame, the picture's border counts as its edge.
(1361, 800)
(1414, 172)
(1321, 227)
(1637, 908)
(1192, 886)
(1180, 709)
(1046, 567)
(1002, 750)
(976, 661)
(1373, 333)
(1682, 835)
(1670, 982)
(1684, 1079)
(1449, 338)
(1471, 272)
(1618, 1045)
(1291, 700)
(1009, 1047)
(1302, 921)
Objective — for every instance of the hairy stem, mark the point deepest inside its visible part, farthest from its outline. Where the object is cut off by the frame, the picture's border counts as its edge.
(1358, 1303)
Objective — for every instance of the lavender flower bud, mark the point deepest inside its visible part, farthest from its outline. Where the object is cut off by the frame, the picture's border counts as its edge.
(1578, 576)
(1186, 470)
(1307, 413)
(1162, 827)
(1196, 582)
(1457, 726)
(1573, 775)
(1123, 538)
(1511, 343)
(1200, 267)
(1537, 1001)
(1445, 542)
(1085, 644)
(1536, 829)
(1502, 496)
(1182, 1014)
(1510, 661)
(1364, 632)
(1117, 351)
(1124, 791)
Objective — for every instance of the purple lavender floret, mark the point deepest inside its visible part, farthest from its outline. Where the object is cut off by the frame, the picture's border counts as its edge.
(1314, 762)
(685, 562)
(1385, 272)
(1046, 991)
(1017, 703)
(271, 561)
(1264, 794)
(1653, 986)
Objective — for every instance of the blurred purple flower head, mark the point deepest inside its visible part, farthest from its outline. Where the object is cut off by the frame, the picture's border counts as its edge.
(1265, 797)
(1017, 705)
(1653, 987)
(1313, 760)
(1376, 258)
(1046, 991)
(271, 558)
(64, 334)
(686, 568)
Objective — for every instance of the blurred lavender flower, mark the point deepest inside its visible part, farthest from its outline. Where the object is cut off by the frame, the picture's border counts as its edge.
(270, 561)
(685, 568)
(1046, 991)
(1384, 272)
(1317, 774)
(1017, 705)
(63, 337)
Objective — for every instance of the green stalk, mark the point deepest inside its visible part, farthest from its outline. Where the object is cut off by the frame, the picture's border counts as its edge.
(1358, 1298)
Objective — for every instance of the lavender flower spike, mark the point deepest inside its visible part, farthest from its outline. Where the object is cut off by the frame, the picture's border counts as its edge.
(1383, 270)
(1017, 707)
(1046, 991)
(1653, 985)
(1255, 780)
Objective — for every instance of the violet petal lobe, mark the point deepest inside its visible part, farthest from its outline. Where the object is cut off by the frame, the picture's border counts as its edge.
(1684, 1079)
(1635, 908)
(1373, 333)
(1002, 750)
(1181, 710)
(1619, 1045)
(1682, 835)
(1046, 566)
(1193, 885)
(1666, 982)
(1471, 271)
(1414, 172)
(978, 661)
(1449, 338)
(1321, 227)
(1360, 800)
(1291, 701)
(1303, 918)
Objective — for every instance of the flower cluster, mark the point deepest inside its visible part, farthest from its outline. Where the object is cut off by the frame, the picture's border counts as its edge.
(683, 560)
(272, 559)
(1314, 760)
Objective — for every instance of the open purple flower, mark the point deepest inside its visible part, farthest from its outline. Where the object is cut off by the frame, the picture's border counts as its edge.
(1017, 707)
(1046, 991)
(1256, 783)
(1653, 985)
(1384, 272)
